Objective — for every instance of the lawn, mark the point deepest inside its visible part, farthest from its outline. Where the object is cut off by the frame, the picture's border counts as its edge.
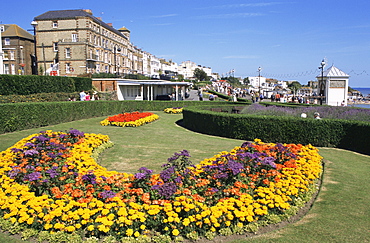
(340, 214)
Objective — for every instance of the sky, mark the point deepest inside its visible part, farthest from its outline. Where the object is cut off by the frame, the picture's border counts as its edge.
(288, 39)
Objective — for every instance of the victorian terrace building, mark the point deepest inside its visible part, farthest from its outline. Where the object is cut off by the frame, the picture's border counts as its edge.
(17, 48)
(74, 42)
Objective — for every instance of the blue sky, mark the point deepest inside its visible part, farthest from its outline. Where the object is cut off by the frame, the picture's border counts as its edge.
(287, 39)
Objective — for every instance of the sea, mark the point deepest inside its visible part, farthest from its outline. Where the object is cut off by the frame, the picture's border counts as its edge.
(365, 92)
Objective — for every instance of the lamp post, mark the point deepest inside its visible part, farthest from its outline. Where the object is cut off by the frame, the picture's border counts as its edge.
(321, 82)
(259, 80)
(34, 24)
(119, 51)
(115, 59)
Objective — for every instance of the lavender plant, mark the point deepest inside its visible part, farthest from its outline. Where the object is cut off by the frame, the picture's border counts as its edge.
(327, 112)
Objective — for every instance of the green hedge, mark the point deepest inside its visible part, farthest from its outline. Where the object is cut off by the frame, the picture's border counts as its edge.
(33, 84)
(20, 116)
(352, 135)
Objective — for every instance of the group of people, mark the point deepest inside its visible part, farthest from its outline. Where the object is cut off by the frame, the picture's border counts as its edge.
(86, 96)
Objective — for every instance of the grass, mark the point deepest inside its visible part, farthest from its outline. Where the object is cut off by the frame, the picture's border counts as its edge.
(340, 214)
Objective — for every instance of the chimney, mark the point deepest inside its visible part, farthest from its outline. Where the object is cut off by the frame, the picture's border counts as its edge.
(88, 11)
(110, 24)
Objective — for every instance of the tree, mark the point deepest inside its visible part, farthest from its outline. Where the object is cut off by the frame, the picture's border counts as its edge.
(200, 74)
(294, 87)
(246, 81)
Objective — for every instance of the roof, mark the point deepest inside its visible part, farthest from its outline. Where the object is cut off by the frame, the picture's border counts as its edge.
(70, 14)
(13, 30)
(152, 82)
(334, 72)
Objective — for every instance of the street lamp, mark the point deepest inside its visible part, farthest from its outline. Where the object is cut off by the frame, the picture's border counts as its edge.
(259, 80)
(34, 24)
(321, 82)
(115, 59)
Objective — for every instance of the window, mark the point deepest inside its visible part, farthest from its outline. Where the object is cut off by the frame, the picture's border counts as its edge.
(68, 52)
(97, 55)
(55, 46)
(11, 55)
(12, 69)
(133, 91)
(6, 56)
(6, 68)
(74, 38)
(7, 41)
(55, 24)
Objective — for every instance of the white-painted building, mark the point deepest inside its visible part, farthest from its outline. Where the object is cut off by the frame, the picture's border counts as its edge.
(335, 83)
(1, 51)
(258, 83)
(150, 89)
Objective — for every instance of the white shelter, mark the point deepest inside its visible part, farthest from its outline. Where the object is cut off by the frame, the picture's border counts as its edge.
(336, 85)
(150, 89)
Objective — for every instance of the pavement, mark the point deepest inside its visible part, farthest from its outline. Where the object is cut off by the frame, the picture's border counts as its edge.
(194, 96)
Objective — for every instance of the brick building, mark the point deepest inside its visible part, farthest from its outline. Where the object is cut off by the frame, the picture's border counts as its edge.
(17, 49)
(74, 42)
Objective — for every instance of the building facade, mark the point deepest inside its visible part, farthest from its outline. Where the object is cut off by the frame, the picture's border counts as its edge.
(17, 50)
(74, 42)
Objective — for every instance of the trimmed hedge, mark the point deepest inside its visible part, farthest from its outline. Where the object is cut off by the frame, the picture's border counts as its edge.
(33, 84)
(352, 135)
(20, 116)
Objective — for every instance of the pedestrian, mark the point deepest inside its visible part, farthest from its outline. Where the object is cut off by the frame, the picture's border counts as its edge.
(82, 96)
(87, 97)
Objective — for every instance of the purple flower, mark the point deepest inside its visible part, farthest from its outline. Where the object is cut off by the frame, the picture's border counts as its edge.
(90, 177)
(166, 174)
(143, 173)
(51, 155)
(269, 161)
(140, 175)
(41, 138)
(235, 167)
(15, 150)
(76, 133)
(14, 172)
(34, 176)
(30, 152)
(29, 145)
(53, 172)
(107, 194)
(167, 189)
(178, 179)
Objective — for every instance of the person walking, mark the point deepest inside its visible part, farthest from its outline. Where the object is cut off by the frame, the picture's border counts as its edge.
(82, 96)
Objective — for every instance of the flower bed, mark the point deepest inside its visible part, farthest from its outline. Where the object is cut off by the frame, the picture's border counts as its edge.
(50, 182)
(174, 110)
(133, 119)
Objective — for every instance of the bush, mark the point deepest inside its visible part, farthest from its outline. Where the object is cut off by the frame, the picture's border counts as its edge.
(352, 135)
(33, 84)
(20, 116)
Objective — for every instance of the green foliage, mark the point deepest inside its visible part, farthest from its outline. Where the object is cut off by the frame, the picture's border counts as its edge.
(20, 116)
(352, 135)
(33, 84)
(200, 74)
(294, 86)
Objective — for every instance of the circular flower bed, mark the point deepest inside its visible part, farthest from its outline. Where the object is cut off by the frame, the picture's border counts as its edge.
(133, 119)
(52, 185)
(174, 110)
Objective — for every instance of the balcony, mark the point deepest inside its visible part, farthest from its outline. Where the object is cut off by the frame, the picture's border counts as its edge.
(74, 40)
